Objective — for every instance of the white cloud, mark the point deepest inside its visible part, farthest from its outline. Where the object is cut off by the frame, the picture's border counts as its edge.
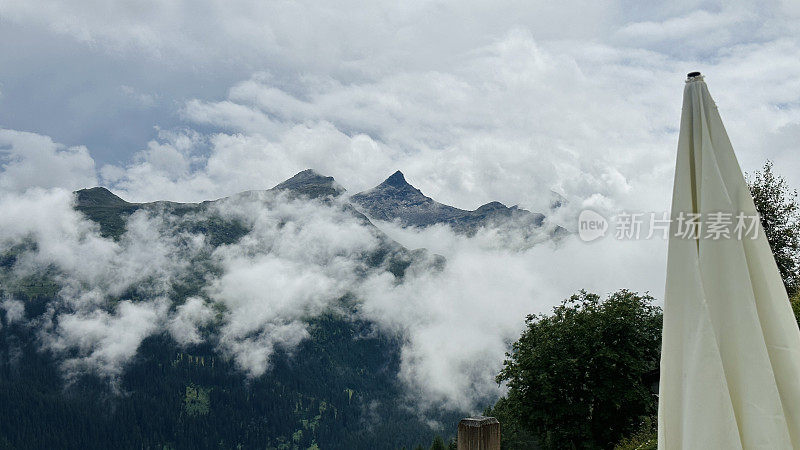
(93, 272)
(716, 29)
(268, 297)
(460, 321)
(348, 37)
(105, 341)
(506, 123)
(15, 310)
(32, 160)
(72, 245)
(299, 258)
(183, 326)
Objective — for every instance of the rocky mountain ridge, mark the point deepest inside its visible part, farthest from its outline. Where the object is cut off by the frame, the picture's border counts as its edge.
(394, 200)
(397, 200)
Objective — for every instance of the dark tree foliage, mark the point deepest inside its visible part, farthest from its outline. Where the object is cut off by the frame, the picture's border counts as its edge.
(646, 438)
(780, 217)
(438, 443)
(338, 390)
(576, 377)
(795, 302)
(514, 435)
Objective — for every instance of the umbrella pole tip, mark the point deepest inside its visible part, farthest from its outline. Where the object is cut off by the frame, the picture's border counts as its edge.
(693, 74)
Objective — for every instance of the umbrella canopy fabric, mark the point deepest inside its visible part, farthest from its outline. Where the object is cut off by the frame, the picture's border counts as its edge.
(730, 362)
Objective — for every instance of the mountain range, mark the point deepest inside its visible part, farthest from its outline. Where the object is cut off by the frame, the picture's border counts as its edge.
(338, 387)
(394, 200)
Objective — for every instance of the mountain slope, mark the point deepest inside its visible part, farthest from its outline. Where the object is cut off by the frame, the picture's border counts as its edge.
(338, 390)
(295, 247)
(338, 387)
(311, 184)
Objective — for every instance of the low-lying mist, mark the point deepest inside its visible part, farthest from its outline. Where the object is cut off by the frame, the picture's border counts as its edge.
(295, 260)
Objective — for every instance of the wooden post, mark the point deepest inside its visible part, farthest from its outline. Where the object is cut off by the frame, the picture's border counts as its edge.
(479, 433)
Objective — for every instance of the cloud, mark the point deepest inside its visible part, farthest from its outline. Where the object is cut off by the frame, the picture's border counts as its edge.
(716, 28)
(149, 251)
(15, 310)
(302, 34)
(465, 136)
(32, 160)
(192, 314)
(62, 236)
(105, 341)
(299, 257)
(460, 322)
(88, 315)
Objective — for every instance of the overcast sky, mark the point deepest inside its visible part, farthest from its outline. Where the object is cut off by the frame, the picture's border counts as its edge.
(473, 101)
(476, 101)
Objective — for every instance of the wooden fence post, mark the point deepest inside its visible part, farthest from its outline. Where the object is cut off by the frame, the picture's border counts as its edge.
(479, 433)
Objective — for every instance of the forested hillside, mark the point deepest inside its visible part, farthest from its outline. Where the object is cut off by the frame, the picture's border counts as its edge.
(338, 388)
(334, 387)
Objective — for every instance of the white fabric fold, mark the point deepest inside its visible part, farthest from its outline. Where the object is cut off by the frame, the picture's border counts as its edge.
(730, 362)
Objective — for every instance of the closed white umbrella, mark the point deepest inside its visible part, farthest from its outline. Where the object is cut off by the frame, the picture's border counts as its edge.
(730, 362)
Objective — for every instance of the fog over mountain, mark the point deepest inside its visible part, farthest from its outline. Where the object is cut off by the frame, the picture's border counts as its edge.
(254, 267)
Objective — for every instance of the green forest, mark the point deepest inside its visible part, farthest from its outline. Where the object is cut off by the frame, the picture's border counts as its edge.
(339, 389)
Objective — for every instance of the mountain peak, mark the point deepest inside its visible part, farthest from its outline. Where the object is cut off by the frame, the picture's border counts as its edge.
(311, 184)
(304, 176)
(396, 179)
(97, 196)
(492, 206)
